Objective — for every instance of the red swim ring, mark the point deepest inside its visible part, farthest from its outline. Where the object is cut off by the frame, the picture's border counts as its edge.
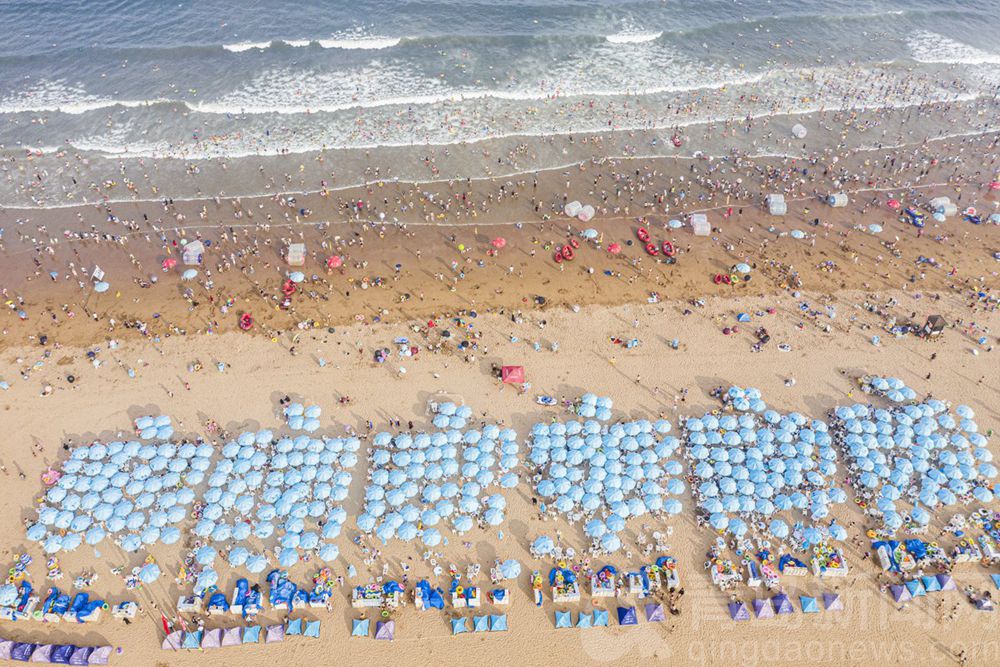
(574, 243)
(246, 321)
(288, 288)
(718, 278)
(726, 279)
(676, 141)
(651, 249)
(668, 248)
(643, 235)
(558, 257)
(567, 252)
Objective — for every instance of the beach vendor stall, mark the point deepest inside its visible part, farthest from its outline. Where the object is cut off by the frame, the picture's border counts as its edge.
(425, 597)
(564, 585)
(464, 596)
(828, 561)
(724, 572)
(894, 556)
(791, 566)
(989, 549)
(966, 551)
(753, 579)
(374, 595)
(664, 572)
(602, 582)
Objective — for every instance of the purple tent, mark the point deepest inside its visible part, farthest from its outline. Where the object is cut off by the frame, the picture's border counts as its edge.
(5, 647)
(738, 611)
(232, 636)
(212, 638)
(385, 630)
(654, 613)
(763, 608)
(61, 654)
(81, 656)
(900, 593)
(832, 602)
(274, 633)
(947, 583)
(782, 605)
(44, 654)
(101, 655)
(22, 651)
(172, 641)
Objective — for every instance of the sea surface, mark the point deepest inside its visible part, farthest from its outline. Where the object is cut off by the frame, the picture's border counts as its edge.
(226, 79)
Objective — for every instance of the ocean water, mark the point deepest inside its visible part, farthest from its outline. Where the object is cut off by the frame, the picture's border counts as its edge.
(225, 79)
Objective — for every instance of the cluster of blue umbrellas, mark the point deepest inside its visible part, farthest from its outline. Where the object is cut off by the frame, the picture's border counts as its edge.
(592, 406)
(306, 481)
(892, 388)
(919, 454)
(134, 492)
(607, 473)
(303, 418)
(420, 481)
(451, 416)
(756, 464)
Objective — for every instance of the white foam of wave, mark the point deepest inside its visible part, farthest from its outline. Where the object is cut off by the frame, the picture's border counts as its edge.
(372, 43)
(246, 46)
(632, 37)
(930, 47)
(60, 97)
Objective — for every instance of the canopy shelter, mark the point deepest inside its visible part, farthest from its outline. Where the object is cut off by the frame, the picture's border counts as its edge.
(738, 611)
(564, 619)
(654, 613)
(274, 633)
(498, 623)
(512, 374)
(359, 627)
(762, 608)
(833, 602)
(627, 616)
(385, 630)
(782, 605)
(934, 326)
(808, 604)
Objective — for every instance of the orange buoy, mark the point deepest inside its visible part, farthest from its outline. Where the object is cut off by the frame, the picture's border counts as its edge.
(567, 252)
(651, 249)
(668, 248)
(643, 235)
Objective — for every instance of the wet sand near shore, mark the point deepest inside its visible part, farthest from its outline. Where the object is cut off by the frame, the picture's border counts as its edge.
(432, 253)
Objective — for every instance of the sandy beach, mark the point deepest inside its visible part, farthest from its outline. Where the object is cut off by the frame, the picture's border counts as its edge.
(309, 313)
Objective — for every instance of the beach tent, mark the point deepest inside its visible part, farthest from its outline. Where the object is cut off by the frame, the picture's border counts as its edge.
(294, 627)
(994, 577)
(498, 623)
(627, 616)
(192, 640)
(601, 618)
(564, 619)
(480, 623)
(232, 636)
(44, 654)
(100, 656)
(359, 627)
(458, 626)
(700, 226)
(915, 588)
(947, 583)
(385, 630)
(311, 629)
(212, 638)
(781, 604)
(934, 326)
(512, 374)
(654, 613)
(573, 208)
(193, 253)
(586, 213)
(808, 604)
(173, 640)
(900, 593)
(799, 131)
(585, 620)
(5, 647)
(838, 200)
(251, 634)
(22, 651)
(776, 205)
(738, 611)
(762, 608)
(832, 602)
(62, 653)
(932, 585)
(274, 633)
